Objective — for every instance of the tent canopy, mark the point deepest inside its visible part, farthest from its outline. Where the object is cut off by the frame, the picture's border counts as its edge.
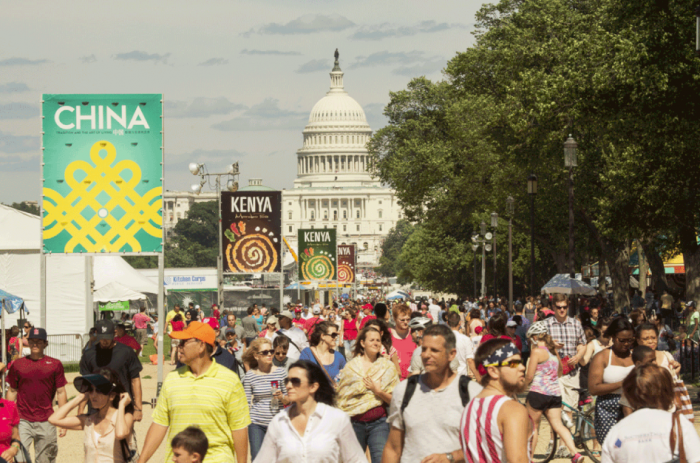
(116, 292)
(562, 283)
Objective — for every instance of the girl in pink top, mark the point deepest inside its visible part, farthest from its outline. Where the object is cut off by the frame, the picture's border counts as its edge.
(543, 371)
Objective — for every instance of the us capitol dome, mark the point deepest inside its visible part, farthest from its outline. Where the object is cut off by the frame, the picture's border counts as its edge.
(333, 187)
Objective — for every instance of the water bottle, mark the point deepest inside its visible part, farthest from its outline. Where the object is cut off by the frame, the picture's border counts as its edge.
(274, 403)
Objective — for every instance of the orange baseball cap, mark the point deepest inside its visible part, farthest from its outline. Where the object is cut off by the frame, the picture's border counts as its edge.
(196, 330)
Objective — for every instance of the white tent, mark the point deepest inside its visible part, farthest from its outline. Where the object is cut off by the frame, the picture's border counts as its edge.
(66, 281)
(116, 292)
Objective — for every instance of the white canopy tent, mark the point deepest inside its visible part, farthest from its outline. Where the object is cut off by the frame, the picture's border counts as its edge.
(66, 275)
(116, 292)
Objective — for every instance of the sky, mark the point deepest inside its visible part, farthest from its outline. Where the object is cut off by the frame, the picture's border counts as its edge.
(239, 78)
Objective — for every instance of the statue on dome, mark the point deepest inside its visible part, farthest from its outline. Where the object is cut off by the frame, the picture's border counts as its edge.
(336, 54)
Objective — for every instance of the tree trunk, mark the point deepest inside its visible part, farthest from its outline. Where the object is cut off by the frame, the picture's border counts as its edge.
(619, 273)
(602, 275)
(656, 264)
(643, 269)
(561, 260)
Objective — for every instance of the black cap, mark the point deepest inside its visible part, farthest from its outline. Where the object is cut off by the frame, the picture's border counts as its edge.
(37, 333)
(105, 329)
(99, 382)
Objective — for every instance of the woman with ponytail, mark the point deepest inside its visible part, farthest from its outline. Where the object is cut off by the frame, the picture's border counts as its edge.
(543, 371)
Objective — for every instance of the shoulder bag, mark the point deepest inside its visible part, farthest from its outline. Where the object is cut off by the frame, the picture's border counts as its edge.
(320, 363)
(676, 425)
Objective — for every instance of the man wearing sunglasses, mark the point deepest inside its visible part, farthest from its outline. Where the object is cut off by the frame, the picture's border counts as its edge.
(201, 392)
(570, 340)
(34, 381)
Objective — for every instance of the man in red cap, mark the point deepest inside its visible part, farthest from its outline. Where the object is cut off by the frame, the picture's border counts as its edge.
(186, 399)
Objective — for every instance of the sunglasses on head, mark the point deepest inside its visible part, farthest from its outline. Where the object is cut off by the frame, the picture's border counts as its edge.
(266, 352)
(296, 382)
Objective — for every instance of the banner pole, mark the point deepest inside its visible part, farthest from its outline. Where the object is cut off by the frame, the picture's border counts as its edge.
(89, 309)
(161, 319)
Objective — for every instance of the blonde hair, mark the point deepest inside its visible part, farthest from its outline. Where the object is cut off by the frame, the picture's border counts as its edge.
(548, 341)
(253, 349)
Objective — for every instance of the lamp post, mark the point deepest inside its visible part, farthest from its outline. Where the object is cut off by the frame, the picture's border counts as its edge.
(510, 209)
(475, 247)
(570, 147)
(231, 185)
(485, 246)
(697, 30)
(494, 225)
(532, 191)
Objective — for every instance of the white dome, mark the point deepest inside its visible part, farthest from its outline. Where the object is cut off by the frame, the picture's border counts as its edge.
(337, 108)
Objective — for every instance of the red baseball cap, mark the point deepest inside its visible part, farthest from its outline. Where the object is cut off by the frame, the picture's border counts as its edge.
(211, 321)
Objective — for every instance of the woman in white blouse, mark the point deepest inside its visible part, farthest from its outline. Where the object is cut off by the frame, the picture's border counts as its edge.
(312, 430)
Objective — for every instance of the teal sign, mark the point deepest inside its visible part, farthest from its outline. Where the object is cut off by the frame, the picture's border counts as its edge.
(102, 173)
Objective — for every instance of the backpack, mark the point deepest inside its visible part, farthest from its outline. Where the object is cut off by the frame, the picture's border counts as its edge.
(412, 382)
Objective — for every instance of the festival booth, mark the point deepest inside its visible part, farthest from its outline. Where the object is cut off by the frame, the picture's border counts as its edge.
(67, 285)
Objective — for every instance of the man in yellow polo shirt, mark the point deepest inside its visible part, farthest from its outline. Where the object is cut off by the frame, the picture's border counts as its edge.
(204, 394)
(169, 317)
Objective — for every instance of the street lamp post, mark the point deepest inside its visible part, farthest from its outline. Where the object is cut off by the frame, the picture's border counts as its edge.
(570, 147)
(510, 208)
(231, 185)
(532, 191)
(494, 225)
(697, 30)
(475, 247)
(485, 246)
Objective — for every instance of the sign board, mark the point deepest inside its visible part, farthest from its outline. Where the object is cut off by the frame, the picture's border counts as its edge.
(102, 173)
(251, 222)
(317, 254)
(346, 263)
(121, 305)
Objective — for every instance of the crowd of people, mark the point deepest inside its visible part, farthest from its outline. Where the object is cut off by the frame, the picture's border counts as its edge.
(420, 380)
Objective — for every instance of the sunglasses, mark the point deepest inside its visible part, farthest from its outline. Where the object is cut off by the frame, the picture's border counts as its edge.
(510, 363)
(562, 306)
(296, 382)
(625, 341)
(26, 327)
(266, 352)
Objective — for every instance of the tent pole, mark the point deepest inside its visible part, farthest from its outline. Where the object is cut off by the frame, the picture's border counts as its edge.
(3, 311)
(281, 308)
(89, 308)
(161, 319)
(42, 289)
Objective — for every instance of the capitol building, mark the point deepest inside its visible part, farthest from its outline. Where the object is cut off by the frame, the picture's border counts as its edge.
(333, 188)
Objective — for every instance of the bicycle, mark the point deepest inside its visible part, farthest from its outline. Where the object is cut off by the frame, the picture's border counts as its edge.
(583, 433)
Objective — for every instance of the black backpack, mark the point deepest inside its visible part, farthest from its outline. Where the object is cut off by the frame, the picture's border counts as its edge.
(412, 382)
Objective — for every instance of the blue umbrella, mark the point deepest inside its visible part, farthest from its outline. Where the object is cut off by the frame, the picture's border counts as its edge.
(12, 303)
(295, 285)
(562, 283)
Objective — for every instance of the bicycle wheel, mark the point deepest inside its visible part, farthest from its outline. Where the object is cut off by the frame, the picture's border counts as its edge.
(546, 445)
(588, 437)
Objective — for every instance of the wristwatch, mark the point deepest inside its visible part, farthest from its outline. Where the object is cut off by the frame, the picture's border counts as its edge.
(450, 458)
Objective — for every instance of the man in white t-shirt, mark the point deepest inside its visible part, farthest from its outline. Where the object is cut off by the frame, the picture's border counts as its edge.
(434, 310)
(418, 434)
(297, 338)
(305, 314)
(465, 349)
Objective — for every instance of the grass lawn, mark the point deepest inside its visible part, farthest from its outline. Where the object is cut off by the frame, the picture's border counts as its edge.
(150, 349)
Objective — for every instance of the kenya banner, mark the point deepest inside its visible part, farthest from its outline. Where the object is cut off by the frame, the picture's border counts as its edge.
(251, 222)
(346, 263)
(102, 173)
(317, 255)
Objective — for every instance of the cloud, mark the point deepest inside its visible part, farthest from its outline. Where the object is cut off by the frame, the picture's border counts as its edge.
(13, 87)
(214, 62)
(421, 69)
(21, 61)
(315, 65)
(412, 63)
(201, 107)
(375, 115)
(306, 24)
(19, 111)
(245, 51)
(142, 56)
(88, 59)
(12, 144)
(265, 116)
(387, 58)
(388, 30)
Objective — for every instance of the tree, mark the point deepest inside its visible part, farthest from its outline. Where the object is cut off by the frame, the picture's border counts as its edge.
(26, 207)
(390, 263)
